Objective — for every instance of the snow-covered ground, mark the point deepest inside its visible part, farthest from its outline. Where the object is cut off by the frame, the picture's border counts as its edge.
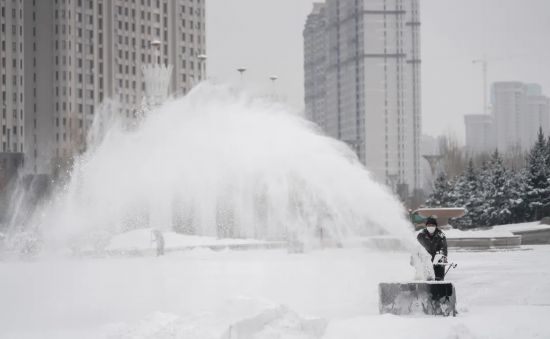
(526, 226)
(490, 233)
(496, 231)
(267, 294)
(142, 239)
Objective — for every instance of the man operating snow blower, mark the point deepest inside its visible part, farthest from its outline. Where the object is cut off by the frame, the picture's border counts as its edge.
(434, 241)
(424, 295)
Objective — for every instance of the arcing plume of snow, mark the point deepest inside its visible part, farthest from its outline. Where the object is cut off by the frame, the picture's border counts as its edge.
(220, 163)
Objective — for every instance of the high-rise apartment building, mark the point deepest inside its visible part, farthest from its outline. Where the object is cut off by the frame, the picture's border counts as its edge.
(315, 64)
(372, 83)
(71, 55)
(12, 98)
(479, 133)
(12, 75)
(519, 110)
(508, 109)
(537, 113)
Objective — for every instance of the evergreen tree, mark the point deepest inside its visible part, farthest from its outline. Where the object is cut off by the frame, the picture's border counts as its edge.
(459, 193)
(520, 209)
(537, 177)
(441, 195)
(498, 193)
(469, 196)
(481, 217)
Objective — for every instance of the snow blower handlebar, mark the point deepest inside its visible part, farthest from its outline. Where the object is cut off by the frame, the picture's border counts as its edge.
(451, 265)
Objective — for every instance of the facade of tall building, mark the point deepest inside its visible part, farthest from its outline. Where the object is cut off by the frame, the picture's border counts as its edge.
(537, 114)
(12, 72)
(519, 110)
(12, 75)
(508, 108)
(479, 133)
(315, 65)
(74, 54)
(372, 85)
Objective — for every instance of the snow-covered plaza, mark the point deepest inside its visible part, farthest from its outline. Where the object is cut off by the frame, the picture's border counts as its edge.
(329, 293)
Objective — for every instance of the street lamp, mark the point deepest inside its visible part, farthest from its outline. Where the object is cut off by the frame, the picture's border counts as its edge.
(273, 78)
(202, 65)
(156, 45)
(241, 70)
(484, 67)
(433, 160)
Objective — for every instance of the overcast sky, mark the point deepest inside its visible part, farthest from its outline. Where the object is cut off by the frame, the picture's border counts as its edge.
(265, 36)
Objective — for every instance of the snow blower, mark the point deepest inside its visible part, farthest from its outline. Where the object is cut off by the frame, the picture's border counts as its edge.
(419, 297)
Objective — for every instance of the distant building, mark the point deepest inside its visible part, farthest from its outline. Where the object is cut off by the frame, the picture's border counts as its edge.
(315, 64)
(479, 133)
(519, 110)
(12, 98)
(371, 83)
(10, 163)
(64, 57)
(12, 74)
(508, 109)
(537, 114)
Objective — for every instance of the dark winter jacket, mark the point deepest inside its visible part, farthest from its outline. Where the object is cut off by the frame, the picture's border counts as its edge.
(433, 243)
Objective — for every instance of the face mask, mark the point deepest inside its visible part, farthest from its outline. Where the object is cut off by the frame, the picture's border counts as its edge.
(431, 229)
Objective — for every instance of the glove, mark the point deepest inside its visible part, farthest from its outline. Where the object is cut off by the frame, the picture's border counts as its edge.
(443, 259)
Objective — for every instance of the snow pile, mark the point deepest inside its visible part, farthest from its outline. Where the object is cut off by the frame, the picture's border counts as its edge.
(496, 231)
(160, 325)
(278, 322)
(526, 226)
(490, 233)
(238, 318)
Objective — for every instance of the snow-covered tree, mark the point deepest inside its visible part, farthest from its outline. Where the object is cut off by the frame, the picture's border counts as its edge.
(538, 175)
(521, 211)
(500, 193)
(469, 194)
(496, 177)
(442, 192)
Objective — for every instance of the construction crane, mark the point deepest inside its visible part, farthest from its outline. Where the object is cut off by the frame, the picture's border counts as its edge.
(484, 67)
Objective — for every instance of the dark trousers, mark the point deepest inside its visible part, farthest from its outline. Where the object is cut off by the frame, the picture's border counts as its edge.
(439, 271)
